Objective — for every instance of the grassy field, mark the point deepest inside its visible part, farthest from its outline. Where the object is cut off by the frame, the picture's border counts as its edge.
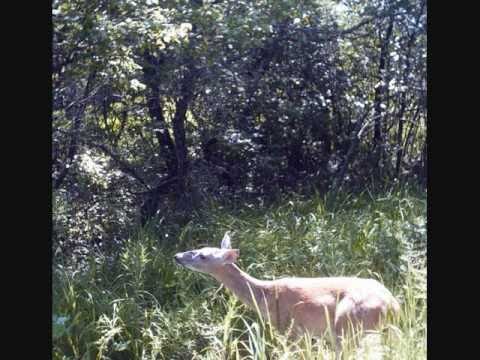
(140, 305)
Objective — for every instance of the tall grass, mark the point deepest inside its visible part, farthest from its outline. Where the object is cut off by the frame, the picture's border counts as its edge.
(139, 305)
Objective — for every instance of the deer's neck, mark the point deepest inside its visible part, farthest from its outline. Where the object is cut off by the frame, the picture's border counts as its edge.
(243, 285)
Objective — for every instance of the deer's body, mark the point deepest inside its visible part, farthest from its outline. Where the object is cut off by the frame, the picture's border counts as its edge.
(298, 304)
(305, 303)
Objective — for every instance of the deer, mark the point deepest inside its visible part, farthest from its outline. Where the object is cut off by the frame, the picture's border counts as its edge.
(298, 305)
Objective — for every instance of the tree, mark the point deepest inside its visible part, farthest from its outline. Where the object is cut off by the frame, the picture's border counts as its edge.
(159, 106)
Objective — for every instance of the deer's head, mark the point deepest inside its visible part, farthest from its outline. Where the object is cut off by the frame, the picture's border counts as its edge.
(209, 259)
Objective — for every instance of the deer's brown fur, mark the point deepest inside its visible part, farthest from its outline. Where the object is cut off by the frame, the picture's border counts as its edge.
(298, 304)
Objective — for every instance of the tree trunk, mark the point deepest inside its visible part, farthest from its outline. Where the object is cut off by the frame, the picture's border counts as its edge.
(173, 150)
(179, 133)
(179, 120)
(379, 97)
(403, 97)
(165, 142)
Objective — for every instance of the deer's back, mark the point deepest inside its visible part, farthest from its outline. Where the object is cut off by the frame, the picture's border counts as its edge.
(338, 287)
(309, 300)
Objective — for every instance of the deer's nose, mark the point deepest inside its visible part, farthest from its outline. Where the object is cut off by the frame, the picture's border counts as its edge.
(177, 258)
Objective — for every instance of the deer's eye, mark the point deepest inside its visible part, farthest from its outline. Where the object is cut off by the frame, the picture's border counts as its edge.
(202, 257)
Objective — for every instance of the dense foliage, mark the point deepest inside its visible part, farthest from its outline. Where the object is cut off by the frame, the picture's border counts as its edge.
(160, 107)
(140, 306)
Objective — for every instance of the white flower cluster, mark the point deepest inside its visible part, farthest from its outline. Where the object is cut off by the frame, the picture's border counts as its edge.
(95, 167)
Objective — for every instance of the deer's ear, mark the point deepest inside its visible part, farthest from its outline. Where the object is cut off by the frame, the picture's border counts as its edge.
(231, 256)
(226, 241)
